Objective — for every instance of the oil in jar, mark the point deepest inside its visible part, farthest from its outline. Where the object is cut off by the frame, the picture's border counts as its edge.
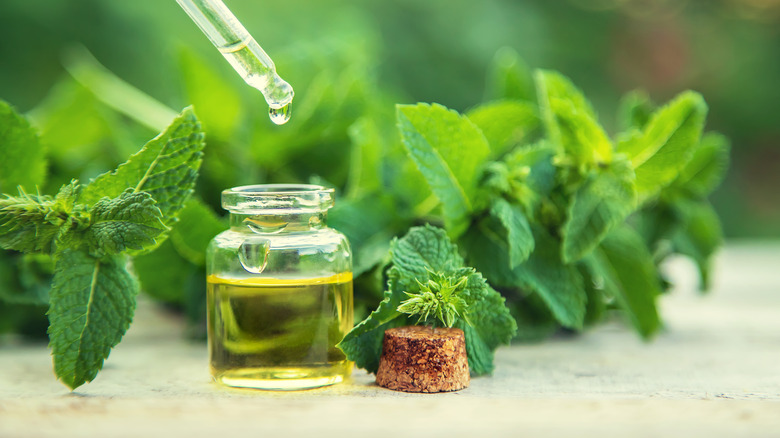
(279, 333)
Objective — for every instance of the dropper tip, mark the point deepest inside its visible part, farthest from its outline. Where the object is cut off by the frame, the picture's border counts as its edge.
(279, 95)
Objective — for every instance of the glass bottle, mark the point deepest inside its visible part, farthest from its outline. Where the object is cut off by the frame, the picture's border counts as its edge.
(279, 290)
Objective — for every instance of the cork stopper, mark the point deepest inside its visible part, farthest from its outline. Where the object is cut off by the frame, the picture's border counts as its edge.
(423, 359)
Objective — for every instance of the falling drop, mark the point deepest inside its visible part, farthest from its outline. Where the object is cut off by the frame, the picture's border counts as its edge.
(253, 254)
(280, 116)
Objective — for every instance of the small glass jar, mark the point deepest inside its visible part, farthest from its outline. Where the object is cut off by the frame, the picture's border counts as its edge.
(279, 290)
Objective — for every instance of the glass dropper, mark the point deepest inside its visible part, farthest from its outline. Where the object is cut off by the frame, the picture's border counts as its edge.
(243, 53)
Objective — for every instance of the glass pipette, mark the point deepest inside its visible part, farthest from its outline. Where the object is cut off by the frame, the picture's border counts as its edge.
(243, 53)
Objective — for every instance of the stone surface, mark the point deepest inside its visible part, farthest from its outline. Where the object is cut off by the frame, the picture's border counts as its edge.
(713, 371)
(422, 359)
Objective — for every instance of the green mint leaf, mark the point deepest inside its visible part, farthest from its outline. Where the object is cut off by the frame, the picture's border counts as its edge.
(630, 276)
(655, 224)
(166, 168)
(449, 150)
(480, 355)
(504, 123)
(488, 323)
(698, 236)
(197, 225)
(634, 110)
(92, 304)
(666, 144)
(365, 162)
(558, 285)
(368, 223)
(363, 344)
(34, 223)
(509, 77)
(596, 308)
(605, 200)
(22, 157)
(707, 167)
(129, 221)
(570, 121)
(519, 238)
(423, 250)
(531, 175)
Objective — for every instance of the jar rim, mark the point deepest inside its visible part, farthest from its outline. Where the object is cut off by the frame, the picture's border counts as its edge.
(277, 198)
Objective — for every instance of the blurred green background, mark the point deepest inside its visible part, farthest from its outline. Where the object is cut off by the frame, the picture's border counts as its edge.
(347, 59)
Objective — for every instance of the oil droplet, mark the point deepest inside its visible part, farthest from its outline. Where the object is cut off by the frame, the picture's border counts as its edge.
(280, 116)
(253, 254)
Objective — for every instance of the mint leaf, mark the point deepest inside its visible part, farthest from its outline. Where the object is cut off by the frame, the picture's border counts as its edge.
(365, 162)
(570, 121)
(558, 285)
(196, 226)
(129, 221)
(166, 168)
(504, 123)
(423, 249)
(630, 276)
(602, 202)
(488, 323)
(368, 222)
(449, 150)
(426, 253)
(707, 167)
(634, 110)
(596, 308)
(519, 238)
(363, 344)
(509, 77)
(92, 304)
(22, 157)
(531, 175)
(698, 236)
(666, 144)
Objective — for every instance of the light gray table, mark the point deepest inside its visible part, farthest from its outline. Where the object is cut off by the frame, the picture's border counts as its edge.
(713, 371)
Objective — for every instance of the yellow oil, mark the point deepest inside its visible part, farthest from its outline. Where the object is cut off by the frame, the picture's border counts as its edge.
(281, 334)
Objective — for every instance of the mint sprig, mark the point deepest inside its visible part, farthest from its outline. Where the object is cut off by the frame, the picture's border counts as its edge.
(426, 263)
(89, 232)
(437, 299)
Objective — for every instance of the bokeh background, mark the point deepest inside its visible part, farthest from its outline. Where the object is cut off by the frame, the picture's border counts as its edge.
(347, 58)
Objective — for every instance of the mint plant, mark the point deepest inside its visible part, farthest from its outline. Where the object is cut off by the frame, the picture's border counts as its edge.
(427, 269)
(89, 231)
(568, 222)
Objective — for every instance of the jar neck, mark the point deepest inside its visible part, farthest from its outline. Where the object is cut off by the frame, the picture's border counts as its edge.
(274, 223)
